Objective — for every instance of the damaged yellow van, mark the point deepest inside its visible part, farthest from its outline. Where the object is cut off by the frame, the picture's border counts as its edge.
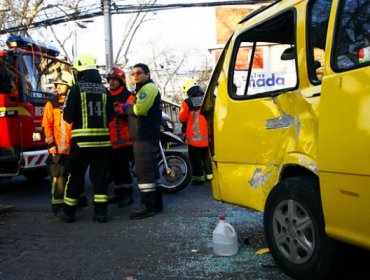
(289, 112)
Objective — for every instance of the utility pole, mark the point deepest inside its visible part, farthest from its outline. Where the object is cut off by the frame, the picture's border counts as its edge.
(108, 34)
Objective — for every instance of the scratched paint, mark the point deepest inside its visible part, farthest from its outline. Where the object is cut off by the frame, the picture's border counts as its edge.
(258, 178)
(283, 121)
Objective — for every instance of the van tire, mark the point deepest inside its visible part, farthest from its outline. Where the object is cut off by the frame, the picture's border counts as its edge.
(295, 229)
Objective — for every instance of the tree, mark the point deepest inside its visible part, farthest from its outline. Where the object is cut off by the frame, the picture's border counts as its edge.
(61, 40)
(130, 30)
(23, 13)
(171, 67)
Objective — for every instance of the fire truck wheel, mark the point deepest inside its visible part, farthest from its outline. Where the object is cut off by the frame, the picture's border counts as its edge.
(37, 174)
(295, 229)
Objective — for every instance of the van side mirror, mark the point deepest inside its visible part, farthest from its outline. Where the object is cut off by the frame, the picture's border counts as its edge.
(288, 54)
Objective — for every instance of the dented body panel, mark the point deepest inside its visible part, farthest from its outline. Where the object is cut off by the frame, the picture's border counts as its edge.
(282, 132)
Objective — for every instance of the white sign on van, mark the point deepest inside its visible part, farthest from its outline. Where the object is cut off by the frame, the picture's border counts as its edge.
(263, 82)
(271, 73)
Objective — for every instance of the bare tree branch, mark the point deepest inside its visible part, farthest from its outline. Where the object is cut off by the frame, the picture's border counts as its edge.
(136, 21)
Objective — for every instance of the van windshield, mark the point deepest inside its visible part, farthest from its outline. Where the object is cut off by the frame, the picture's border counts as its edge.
(38, 75)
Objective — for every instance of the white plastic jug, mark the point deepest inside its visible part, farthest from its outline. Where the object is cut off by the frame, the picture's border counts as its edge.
(225, 240)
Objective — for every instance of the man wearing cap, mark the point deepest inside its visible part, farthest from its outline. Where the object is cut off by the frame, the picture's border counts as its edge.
(90, 109)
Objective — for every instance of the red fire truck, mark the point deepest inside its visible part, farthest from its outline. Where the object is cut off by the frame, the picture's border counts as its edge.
(27, 69)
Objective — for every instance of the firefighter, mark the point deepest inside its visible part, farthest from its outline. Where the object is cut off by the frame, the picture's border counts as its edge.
(196, 132)
(90, 109)
(122, 153)
(57, 136)
(145, 117)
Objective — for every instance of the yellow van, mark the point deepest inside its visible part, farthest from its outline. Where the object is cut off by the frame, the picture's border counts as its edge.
(289, 111)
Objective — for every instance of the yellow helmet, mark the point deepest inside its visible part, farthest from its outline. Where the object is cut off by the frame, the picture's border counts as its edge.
(84, 62)
(188, 85)
(64, 78)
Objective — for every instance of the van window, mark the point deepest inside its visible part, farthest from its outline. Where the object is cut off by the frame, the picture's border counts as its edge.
(352, 41)
(264, 59)
(317, 25)
(7, 78)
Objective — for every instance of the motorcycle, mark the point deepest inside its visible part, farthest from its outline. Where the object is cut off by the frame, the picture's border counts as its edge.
(174, 167)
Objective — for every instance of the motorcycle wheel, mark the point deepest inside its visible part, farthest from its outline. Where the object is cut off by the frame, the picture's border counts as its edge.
(180, 174)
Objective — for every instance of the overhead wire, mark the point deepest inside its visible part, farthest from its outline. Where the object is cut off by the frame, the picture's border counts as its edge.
(94, 10)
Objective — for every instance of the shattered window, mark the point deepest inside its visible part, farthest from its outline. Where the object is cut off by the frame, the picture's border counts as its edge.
(352, 41)
(264, 59)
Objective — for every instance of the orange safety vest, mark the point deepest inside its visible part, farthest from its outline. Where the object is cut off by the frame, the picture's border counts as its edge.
(118, 127)
(57, 131)
(196, 123)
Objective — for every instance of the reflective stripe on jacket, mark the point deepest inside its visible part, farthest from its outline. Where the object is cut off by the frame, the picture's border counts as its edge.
(57, 131)
(145, 116)
(196, 123)
(118, 127)
(89, 107)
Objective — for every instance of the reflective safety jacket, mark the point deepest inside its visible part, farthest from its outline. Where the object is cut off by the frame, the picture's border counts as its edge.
(196, 123)
(57, 131)
(89, 107)
(145, 115)
(118, 128)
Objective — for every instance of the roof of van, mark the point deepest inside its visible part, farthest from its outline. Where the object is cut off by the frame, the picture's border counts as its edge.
(258, 11)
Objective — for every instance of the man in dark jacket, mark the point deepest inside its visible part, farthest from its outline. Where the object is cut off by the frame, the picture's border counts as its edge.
(90, 109)
(144, 117)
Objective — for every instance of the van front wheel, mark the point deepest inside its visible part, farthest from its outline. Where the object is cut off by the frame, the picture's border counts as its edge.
(295, 229)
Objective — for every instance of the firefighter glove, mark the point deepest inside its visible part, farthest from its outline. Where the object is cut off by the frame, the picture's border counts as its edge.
(125, 106)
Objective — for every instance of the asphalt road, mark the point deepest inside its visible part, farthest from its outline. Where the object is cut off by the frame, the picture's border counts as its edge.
(176, 244)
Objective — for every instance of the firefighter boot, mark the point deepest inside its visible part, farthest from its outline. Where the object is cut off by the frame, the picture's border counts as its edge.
(68, 214)
(57, 209)
(147, 207)
(158, 199)
(126, 198)
(101, 210)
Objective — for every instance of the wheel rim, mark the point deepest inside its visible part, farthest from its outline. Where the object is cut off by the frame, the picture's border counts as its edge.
(294, 231)
(178, 172)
